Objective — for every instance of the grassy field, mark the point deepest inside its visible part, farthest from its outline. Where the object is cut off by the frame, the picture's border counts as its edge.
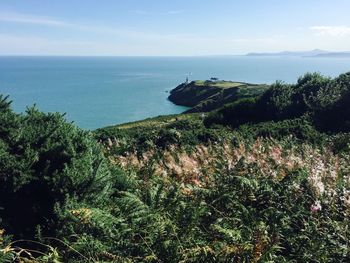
(219, 84)
(156, 121)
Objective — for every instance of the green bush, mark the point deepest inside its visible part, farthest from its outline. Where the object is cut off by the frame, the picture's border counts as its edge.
(44, 160)
(326, 100)
(235, 114)
(300, 128)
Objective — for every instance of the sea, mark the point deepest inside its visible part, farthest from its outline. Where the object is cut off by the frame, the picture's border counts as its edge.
(95, 92)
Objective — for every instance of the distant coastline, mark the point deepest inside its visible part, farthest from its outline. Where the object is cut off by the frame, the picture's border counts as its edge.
(334, 55)
(316, 53)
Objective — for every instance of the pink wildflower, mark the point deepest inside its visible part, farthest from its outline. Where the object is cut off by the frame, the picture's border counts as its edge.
(316, 207)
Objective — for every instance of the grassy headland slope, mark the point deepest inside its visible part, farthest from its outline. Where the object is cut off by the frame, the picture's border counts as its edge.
(204, 96)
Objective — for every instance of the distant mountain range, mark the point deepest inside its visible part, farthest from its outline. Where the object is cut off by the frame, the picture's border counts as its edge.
(311, 53)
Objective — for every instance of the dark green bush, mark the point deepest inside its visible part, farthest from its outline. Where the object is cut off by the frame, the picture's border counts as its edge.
(326, 100)
(43, 160)
(235, 114)
(300, 128)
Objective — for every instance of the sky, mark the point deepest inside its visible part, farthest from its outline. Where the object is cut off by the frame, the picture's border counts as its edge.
(171, 27)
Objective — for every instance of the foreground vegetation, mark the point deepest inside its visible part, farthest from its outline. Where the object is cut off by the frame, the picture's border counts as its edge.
(259, 180)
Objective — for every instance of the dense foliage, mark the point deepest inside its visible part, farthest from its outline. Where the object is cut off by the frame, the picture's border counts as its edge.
(45, 161)
(274, 189)
(323, 99)
(185, 133)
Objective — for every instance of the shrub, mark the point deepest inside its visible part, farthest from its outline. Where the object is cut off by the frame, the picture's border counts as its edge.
(44, 160)
(235, 114)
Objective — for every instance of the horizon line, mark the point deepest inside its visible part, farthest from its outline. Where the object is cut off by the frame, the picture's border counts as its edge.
(201, 55)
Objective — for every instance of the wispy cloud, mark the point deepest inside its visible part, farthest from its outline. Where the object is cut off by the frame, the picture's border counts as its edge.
(54, 22)
(271, 39)
(117, 40)
(174, 12)
(30, 19)
(110, 31)
(90, 28)
(169, 12)
(334, 31)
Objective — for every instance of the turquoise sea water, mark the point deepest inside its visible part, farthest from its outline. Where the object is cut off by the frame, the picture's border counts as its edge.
(100, 91)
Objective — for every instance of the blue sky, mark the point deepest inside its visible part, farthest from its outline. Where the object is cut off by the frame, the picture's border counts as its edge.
(174, 28)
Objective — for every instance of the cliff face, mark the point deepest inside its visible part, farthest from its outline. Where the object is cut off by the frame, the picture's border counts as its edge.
(204, 96)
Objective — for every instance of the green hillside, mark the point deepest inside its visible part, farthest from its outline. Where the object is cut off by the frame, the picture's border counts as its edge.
(204, 96)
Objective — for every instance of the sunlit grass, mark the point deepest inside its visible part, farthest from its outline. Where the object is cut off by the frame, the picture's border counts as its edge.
(219, 84)
(157, 121)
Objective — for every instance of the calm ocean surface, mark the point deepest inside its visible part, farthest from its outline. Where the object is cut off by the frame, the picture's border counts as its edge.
(101, 91)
